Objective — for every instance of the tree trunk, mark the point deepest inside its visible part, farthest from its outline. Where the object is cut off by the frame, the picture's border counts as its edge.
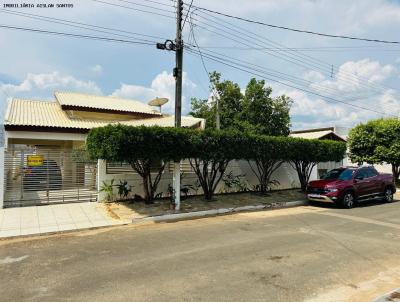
(396, 173)
(209, 174)
(263, 171)
(143, 168)
(146, 190)
(304, 170)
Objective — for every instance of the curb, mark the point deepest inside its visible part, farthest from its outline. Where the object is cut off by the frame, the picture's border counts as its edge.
(393, 296)
(223, 211)
(33, 235)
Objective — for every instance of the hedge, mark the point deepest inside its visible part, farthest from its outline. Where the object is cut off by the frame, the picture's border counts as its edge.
(142, 146)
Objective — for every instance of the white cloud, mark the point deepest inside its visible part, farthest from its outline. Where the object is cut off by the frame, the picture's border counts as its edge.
(97, 69)
(357, 83)
(383, 15)
(314, 76)
(163, 85)
(354, 76)
(50, 81)
(43, 85)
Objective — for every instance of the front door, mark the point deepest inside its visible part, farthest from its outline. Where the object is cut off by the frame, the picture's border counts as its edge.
(362, 183)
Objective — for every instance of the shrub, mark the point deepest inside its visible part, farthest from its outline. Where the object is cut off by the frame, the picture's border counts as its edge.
(212, 151)
(209, 153)
(377, 142)
(265, 154)
(305, 154)
(142, 147)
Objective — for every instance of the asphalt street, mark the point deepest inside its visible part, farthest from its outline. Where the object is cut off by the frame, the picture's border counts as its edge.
(299, 254)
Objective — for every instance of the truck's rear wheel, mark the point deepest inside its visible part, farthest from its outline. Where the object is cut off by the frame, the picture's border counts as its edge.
(388, 194)
(348, 200)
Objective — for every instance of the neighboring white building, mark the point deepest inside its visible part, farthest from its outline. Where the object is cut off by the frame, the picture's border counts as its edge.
(321, 133)
(335, 132)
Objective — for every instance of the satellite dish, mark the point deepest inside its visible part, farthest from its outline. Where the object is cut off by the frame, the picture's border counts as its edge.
(158, 102)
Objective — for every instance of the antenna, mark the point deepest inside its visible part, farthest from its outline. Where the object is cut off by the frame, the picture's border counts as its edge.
(158, 102)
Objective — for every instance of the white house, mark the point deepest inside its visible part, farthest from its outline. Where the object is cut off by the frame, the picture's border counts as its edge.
(40, 139)
(42, 163)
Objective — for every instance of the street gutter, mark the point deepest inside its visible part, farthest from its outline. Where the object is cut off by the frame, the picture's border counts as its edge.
(223, 211)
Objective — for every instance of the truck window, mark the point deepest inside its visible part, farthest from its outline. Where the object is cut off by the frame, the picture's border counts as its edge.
(362, 173)
(340, 174)
(371, 172)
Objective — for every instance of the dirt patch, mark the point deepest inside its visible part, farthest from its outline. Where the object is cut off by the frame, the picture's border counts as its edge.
(127, 210)
(277, 258)
(110, 211)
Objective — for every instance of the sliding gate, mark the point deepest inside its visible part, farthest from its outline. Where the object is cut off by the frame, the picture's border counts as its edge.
(39, 176)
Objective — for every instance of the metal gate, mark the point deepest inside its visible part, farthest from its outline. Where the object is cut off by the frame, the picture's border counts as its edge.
(43, 176)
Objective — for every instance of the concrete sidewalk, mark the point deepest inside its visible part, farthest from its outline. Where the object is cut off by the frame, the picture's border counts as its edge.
(37, 220)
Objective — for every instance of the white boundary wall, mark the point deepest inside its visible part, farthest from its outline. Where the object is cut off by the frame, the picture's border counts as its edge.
(285, 175)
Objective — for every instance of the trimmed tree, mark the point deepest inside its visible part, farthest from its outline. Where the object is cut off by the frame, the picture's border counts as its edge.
(142, 147)
(265, 155)
(377, 142)
(212, 152)
(305, 154)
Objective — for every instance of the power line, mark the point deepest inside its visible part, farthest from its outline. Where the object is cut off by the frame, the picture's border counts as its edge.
(260, 74)
(302, 49)
(161, 3)
(282, 75)
(276, 74)
(74, 35)
(145, 5)
(298, 58)
(187, 14)
(213, 89)
(136, 9)
(80, 25)
(295, 29)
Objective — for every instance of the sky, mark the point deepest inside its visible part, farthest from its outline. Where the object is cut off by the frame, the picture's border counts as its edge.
(339, 72)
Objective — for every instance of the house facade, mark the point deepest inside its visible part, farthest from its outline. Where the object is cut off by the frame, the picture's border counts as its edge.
(43, 162)
(41, 155)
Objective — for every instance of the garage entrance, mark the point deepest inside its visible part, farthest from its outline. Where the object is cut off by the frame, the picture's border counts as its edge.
(42, 176)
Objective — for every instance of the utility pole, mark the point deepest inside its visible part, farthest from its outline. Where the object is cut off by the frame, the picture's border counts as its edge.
(178, 48)
(217, 118)
(178, 98)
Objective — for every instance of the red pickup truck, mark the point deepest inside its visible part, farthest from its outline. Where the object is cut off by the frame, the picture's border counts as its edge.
(349, 185)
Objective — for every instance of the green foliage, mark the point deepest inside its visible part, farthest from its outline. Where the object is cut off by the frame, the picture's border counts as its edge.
(263, 114)
(108, 188)
(209, 152)
(234, 182)
(377, 142)
(255, 111)
(265, 154)
(142, 147)
(212, 151)
(126, 143)
(305, 154)
(80, 155)
(123, 189)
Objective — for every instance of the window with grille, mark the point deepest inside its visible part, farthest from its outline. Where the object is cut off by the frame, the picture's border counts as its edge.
(185, 166)
(126, 168)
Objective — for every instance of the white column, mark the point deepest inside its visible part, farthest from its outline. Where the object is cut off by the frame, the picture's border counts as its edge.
(176, 180)
(314, 173)
(2, 168)
(101, 176)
